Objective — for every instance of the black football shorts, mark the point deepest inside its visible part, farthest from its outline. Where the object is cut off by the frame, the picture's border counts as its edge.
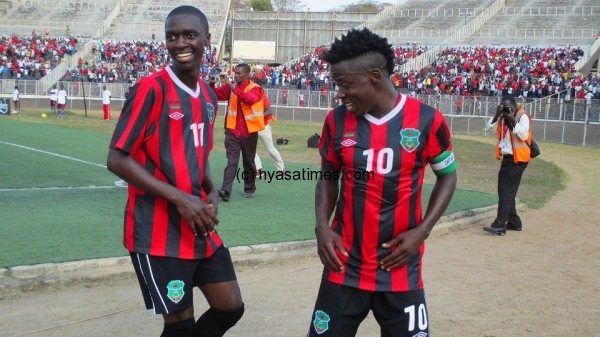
(340, 309)
(167, 282)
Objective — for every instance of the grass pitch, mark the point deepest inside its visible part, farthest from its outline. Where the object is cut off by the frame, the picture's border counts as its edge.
(59, 203)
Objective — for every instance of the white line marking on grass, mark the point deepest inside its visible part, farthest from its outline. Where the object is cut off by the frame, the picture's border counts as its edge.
(91, 187)
(53, 154)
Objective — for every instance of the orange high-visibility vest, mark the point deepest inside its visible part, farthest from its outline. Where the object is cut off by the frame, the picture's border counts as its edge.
(253, 114)
(521, 151)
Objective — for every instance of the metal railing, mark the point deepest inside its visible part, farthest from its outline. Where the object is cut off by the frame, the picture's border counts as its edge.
(554, 118)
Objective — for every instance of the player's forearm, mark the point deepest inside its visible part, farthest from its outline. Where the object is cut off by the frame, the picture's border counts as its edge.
(438, 201)
(124, 166)
(208, 185)
(325, 198)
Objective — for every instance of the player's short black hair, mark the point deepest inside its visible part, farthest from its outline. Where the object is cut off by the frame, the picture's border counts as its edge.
(360, 42)
(193, 11)
(245, 66)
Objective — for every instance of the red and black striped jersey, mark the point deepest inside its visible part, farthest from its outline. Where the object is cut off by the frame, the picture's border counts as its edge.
(167, 128)
(382, 165)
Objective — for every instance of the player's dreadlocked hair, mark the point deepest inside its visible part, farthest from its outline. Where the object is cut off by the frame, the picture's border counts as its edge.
(357, 43)
(191, 10)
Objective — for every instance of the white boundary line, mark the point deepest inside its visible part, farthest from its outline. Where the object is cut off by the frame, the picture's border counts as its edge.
(91, 187)
(53, 154)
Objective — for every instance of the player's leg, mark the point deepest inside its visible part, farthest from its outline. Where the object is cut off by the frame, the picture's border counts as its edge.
(267, 139)
(339, 310)
(232, 151)
(216, 278)
(167, 287)
(401, 314)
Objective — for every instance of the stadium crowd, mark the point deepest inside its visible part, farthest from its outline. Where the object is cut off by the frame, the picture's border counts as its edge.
(34, 56)
(468, 70)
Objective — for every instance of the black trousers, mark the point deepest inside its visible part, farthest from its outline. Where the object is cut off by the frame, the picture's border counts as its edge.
(509, 179)
(233, 147)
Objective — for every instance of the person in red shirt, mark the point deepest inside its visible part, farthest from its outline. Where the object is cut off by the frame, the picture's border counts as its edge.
(376, 145)
(160, 147)
(244, 119)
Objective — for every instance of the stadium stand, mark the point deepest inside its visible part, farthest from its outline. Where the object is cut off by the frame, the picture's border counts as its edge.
(140, 18)
(80, 18)
(426, 21)
(539, 22)
(32, 57)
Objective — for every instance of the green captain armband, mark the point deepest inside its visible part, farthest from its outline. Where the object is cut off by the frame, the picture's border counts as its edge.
(443, 164)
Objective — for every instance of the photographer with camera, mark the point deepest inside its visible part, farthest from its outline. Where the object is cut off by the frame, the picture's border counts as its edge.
(514, 134)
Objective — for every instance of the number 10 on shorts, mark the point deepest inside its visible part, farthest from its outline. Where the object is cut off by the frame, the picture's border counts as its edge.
(419, 316)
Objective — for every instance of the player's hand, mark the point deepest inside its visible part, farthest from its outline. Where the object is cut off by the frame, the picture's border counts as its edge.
(404, 247)
(200, 215)
(327, 243)
(213, 199)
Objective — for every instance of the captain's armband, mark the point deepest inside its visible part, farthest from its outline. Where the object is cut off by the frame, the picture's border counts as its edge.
(443, 164)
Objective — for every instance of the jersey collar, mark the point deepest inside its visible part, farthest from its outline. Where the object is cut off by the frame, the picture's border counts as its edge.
(390, 115)
(180, 84)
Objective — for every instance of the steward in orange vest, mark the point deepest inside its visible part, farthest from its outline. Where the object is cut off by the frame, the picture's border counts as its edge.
(253, 114)
(521, 151)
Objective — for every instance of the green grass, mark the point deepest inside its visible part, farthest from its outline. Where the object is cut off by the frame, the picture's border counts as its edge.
(65, 224)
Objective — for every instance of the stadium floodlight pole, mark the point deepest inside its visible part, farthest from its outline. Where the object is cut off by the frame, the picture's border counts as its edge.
(83, 92)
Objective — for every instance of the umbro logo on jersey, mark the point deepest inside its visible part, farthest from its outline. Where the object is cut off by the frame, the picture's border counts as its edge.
(348, 142)
(421, 334)
(176, 116)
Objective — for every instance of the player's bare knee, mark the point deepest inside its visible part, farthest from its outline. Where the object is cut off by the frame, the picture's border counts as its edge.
(179, 316)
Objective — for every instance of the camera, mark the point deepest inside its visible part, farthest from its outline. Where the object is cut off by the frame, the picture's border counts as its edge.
(506, 110)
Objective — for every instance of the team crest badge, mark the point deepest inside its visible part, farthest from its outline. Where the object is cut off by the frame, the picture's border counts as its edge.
(211, 112)
(410, 139)
(321, 322)
(176, 292)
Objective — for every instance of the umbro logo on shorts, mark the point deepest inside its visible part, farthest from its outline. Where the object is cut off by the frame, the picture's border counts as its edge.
(421, 334)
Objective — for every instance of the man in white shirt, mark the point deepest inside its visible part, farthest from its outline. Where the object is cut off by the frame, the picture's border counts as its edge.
(62, 101)
(53, 96)
(514, 134)
(106, 103)
(16, 104)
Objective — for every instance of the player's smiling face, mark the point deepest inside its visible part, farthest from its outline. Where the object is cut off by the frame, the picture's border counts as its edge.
(355, 88)
(185, 39)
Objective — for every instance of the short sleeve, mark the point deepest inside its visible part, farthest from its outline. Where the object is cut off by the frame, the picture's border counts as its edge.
(439, 138)
(133, 122)
(329, 159)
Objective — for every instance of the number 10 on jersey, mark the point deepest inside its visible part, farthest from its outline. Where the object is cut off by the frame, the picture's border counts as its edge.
(383, 162)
